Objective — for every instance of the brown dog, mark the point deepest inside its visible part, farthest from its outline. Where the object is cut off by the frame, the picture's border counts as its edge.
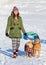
(37, 47)
(29, 49)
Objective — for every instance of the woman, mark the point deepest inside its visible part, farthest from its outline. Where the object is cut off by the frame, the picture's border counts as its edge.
(13, 30)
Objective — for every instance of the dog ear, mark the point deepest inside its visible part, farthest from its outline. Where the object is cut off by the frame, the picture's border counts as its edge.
(36, 41)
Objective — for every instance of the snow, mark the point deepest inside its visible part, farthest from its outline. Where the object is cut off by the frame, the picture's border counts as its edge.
(33, 13)
(22, 60)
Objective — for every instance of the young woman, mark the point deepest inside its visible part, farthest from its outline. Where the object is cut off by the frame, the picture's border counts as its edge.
(13, 30)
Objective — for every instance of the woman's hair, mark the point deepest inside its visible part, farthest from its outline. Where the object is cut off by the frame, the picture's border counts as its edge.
(14, 14)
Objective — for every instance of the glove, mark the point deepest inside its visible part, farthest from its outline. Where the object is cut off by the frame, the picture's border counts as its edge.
(25, 34)
(7, 34)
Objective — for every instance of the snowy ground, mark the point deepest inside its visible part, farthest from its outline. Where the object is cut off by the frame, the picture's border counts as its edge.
(33, 13)
(6, 57)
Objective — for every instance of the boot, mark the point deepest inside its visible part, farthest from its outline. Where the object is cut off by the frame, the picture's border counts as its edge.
(15, 54)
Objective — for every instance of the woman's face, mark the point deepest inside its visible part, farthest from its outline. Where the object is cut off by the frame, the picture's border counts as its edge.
(16, 12)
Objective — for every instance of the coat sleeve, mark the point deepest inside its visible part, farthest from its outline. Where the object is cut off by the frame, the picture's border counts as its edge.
(8, 25)
(22, 27)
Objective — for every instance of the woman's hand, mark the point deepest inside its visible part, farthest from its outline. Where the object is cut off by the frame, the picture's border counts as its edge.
(25, 34)
(7, 34)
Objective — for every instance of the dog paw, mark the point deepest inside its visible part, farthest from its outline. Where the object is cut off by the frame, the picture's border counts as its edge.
(26, 57)
(30, 56)
(34, 55)
(38, 56)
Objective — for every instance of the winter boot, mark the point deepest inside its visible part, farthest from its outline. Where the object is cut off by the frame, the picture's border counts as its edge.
(15, 54)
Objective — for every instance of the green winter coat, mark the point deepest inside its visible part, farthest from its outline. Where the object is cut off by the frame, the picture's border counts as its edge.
(14, 31)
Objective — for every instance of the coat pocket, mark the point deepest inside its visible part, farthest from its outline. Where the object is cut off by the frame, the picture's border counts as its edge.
(19, 28)
(11, 28)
